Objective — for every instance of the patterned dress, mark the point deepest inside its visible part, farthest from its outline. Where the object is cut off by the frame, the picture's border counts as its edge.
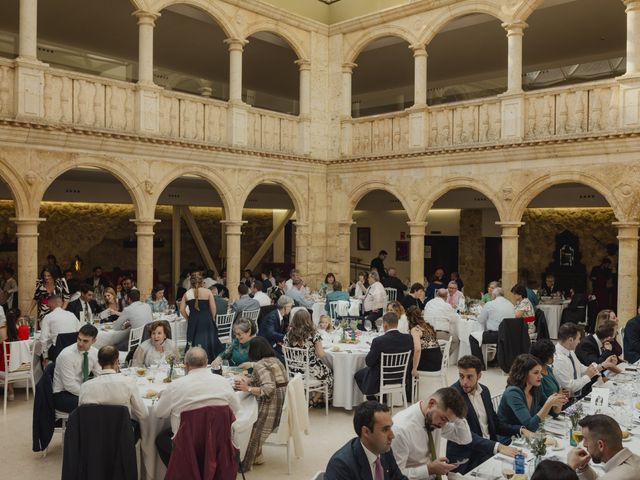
(317, 368)
(41, 295)
(430, 353)
(270, 375)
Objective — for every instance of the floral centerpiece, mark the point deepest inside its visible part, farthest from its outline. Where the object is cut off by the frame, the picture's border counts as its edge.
(171, 360)
(537, 443)
(575, 413)
(349, 325)
(31, 321)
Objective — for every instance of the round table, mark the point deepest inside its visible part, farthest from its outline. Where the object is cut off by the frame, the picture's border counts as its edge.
(553, 314)
(319, 309)
(108, 336)
(466, 326)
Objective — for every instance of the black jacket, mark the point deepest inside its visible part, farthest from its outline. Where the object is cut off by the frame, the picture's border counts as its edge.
(588, 352)
(632, 340)
(99, 444)
(44, 413)
(75, 307)
(350, 463)
(513, 339)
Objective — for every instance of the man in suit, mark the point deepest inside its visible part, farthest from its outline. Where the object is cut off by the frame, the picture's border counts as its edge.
(603, 445)
(392, 281)
(97, 279)
(245, 302)
(369, 455)
(597, 348)
(550, 288)
(632, 339)
(483, 421)
(378, 264)
(368, 378)
(275, 324)
(85, 304)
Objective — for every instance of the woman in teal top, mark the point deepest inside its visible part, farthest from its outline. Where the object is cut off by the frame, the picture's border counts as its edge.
(157, 301)
(523, 402)
(544, 350)
(335, 295)
(237, 352)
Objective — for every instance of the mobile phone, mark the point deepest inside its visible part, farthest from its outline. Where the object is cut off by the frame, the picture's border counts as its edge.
(460, 462)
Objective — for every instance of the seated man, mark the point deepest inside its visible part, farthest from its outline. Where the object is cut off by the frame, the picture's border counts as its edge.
(222, 304)
(73, 367)
(490, 318)
(569, 372)
(258, 295)
(392, 281)
(597, 348)
(368, 378)
(113, 388)
(483, 421)
(137, 314)
(549, 288)
(415, 297)
(418, 430)
(57, 321)
(632, 339)
(369, 455)
(455, 297)
(444, 319)
(296, 294)
(275, 324)
(603, 445)
(85, 304)
(199, 388)
(245, 303)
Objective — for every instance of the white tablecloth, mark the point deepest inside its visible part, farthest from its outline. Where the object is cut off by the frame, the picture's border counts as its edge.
(465, 328)
(345, 364)
(553, 313)
(150, 463)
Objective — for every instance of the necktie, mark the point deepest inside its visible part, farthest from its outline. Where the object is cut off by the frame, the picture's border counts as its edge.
(86, 313)
(85, 366)
(379, 470)
(573, 364)
(432, 450)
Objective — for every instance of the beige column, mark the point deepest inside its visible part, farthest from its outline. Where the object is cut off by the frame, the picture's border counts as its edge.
(305, 86)
(515, 32)
(509, 255)
(233, 229)
(236, 46)
(28, 35)
(416, 237)
(27, 236)
(144, 234)
(146, 23)
(302, 246)
(343, 253)
(419, 75)
(347, 72)
(627, 270)
(633, 36)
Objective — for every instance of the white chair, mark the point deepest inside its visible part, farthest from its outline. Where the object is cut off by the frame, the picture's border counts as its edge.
(179, 334)
(224, 322)
(297, 362)
(392, 295)
(135, 336)
(253, 316)
(393, 376)
(339, 308)
(495, 401)
(445, 347)
(20, 373)
(318, 476)
(486, 350)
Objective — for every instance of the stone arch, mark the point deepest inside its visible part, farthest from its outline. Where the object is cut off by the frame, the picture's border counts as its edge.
(454, 184)
(359, 192)
(540, 184)
(436, 24)
(297, 197)
(526, 8)
(375, 34)
(211, 8)
(140, 4)
(119, 170)
(296, 44)
(19, 188)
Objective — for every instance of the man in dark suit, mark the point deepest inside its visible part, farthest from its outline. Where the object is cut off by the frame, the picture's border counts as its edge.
(378, 264)
(482, 418)
(368, 378)
(392, 281)
(275, 324)
(597, 348)
(85, 304)
(369, 455)
(632, 339)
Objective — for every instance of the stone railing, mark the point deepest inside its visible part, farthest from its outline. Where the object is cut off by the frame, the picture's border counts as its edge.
(388, 133)
(464, 123)
(7, 87)
(272, 131)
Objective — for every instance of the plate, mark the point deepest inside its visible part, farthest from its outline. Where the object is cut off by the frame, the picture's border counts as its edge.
(149, 394)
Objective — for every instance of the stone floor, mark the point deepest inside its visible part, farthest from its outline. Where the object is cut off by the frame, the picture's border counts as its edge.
(326, 436)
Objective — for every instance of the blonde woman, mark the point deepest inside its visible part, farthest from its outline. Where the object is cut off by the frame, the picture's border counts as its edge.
(201, 325)
(111, 310)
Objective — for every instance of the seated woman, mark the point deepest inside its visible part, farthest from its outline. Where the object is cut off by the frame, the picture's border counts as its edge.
(325, 326)
(427, 356)
(397, 308)
(360, 286)
(10, 335)
(156, 301)
(604, 315)
(336, 295)
(328, 284)
(544, 351)
(302, 334)
(524, 308)
(269, 384)
(111, 310)
(156, 349)
(237, 352)
(523, 402)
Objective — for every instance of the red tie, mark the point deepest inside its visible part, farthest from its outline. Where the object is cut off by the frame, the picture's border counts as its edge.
(379, 471)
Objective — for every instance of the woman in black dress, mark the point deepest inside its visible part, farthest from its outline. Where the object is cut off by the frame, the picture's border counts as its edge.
(427, 356)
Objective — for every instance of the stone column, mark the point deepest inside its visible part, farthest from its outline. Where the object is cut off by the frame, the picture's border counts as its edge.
(305, 106)
(633, 36)
(509, 255)
(515, 32)
(346, 127)
(237, 111)
(343, 252)
(233, 230)
(627, 270)
(28, 36)
(302, 246)
(146, 23)
(147, 98)
(419, 75)
(29, 74)
(27, 236)
(144, 234)
(416, 237)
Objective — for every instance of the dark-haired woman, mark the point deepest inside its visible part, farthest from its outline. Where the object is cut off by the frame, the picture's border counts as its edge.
(427, 356)
(269, 384)
(157, 300)
(48, 284)
(554, 469)
(523, 402)
(524, 308)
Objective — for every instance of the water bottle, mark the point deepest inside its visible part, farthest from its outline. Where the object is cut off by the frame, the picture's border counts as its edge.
(518, 463)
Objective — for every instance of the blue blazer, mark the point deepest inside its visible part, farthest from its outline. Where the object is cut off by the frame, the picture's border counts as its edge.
(480, 449)
(632, 340)
(350, 463)
(271, 329)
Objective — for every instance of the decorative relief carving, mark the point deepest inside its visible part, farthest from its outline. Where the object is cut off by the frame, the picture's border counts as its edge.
(254, 129)
(507, 194)
(489, 122)
(6, 91)
(192, 120)
(89, 103)
(270, 132)
(625, 189)
(119, 108)
(440, 122)
(571, 113)
(216, 124)
(149, 187)
(31, 177)
(465, 125)
(169, 116)
(603, 109)
(58, 104)
(540, 113)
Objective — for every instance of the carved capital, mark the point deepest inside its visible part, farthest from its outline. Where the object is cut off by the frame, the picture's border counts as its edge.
(348, 67)
(235, 43)
(303, 64)
(515, 28)
(146, 18)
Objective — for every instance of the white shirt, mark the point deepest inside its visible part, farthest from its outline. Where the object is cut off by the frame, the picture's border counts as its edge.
(375, 298)
(403, 324)
(475, 398)
(200, 388)
(563, 370)
(112, 388)
(411, 443)
(137, 314)
(67, 375)
(371, 458)
(262, 298)
(288, 285)
(440, 314)
(494, 312)
(54, 323)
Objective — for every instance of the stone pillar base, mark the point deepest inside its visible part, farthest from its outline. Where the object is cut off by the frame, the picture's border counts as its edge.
(418, 127)
(512, 109)
(629, 100)
(147, 109)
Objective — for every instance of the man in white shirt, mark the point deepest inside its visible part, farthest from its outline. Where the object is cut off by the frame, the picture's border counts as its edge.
(490, 319)
(137, 314)
(567, 369)
(295, 274)
(57, 321)
(418, 429)
(73, 367)
(113, 388)
(443, 318)
(262, 298)
(199, 388)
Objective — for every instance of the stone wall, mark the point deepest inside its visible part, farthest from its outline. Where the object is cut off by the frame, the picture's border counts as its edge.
(471, 252)
(541, 225)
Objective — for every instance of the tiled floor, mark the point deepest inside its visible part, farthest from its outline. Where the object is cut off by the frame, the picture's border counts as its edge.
(326, 436)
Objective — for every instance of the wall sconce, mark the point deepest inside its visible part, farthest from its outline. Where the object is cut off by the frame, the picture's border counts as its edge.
(77, 263)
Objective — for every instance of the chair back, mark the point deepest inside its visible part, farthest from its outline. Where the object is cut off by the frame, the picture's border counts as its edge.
(135, 335)
(392, 294)
(17, 358)
(339, 308)
(393, 371)
(63, 340)
(495, 401)
(179, 333)
(224, 323)
(446, 350)
(296, 360)
(251, 315)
